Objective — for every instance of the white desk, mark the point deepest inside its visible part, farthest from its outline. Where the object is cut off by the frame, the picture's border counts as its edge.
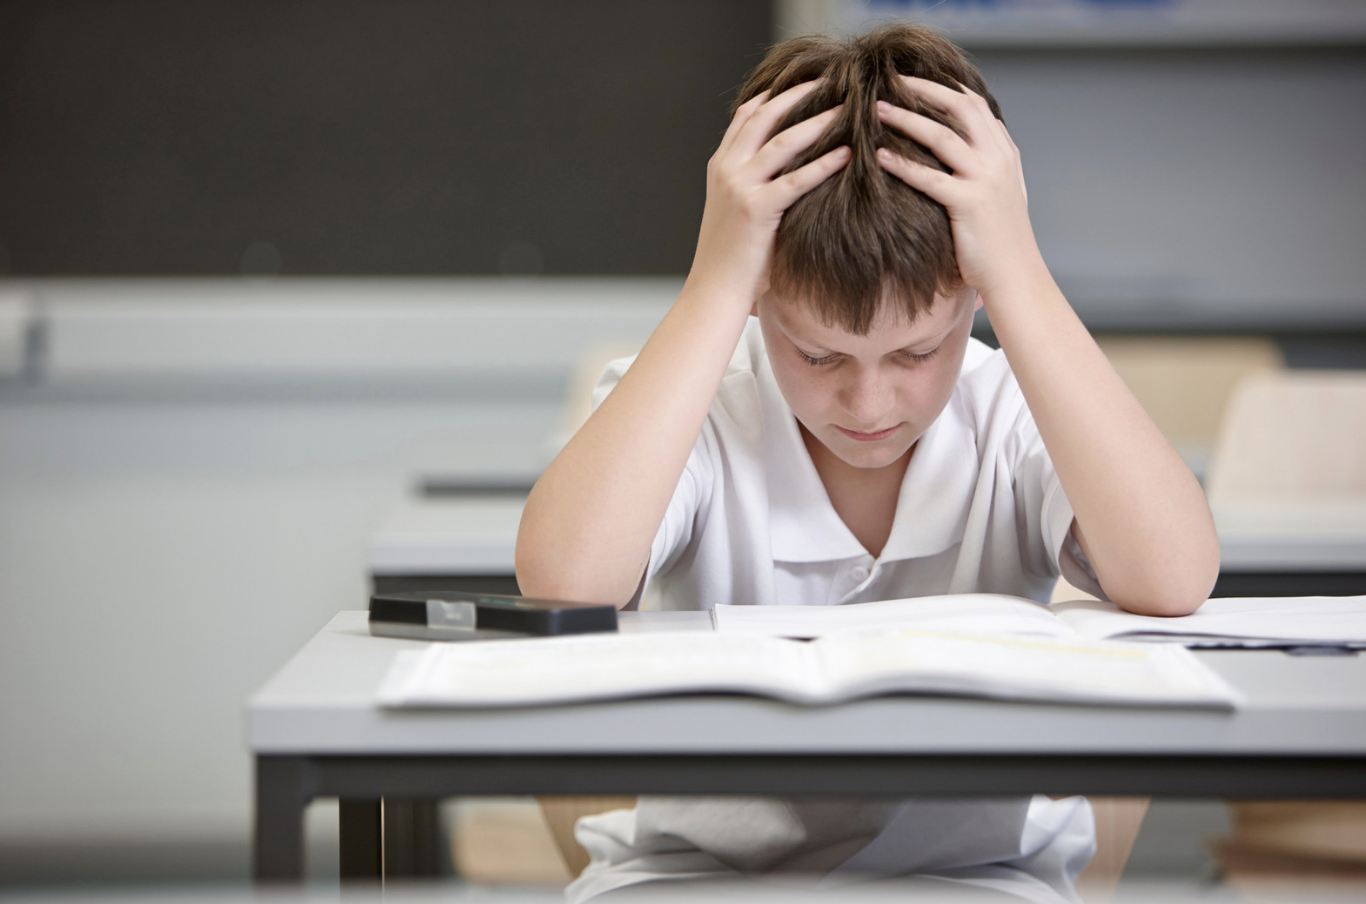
(315, 732)
(1266, 551)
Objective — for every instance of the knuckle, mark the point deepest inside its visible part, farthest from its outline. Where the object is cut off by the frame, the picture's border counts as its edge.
(751, 206)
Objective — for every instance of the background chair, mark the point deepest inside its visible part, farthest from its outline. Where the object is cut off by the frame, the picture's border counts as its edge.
(1185, 382)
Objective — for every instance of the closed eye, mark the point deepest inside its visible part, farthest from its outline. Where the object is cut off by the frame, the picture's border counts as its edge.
(923, 357)
(816, 362)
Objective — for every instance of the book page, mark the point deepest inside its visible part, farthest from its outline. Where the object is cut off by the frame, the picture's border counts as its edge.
(1304, 620)
(969, 613)
(1019, 668)
(601, 667)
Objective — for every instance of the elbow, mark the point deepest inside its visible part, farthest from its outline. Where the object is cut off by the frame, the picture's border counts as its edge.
(536, 576)
(543, 567)
(1176, 589)
(1172, 603)
(541, 575)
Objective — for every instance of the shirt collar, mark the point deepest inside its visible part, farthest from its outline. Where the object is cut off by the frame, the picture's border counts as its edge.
(936, 493)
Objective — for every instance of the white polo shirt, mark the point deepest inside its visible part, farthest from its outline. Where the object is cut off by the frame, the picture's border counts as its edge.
(981, 509)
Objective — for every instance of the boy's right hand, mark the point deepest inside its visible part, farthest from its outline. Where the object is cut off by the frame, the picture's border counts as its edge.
(745, 202)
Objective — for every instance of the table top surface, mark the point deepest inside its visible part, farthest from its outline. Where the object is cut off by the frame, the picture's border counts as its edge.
(322, 702)
(477, 534)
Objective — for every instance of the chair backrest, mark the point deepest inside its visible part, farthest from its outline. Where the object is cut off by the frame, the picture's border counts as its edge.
(1292, 436)
(1184, 382)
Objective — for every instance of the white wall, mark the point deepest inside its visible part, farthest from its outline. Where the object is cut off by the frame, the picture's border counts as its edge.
(171, 532)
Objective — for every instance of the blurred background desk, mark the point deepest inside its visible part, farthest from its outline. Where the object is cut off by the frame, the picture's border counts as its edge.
(460, 541)
(467, 542)
(1270, 553)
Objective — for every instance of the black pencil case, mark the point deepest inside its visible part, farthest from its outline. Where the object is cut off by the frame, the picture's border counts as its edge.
(461, 615)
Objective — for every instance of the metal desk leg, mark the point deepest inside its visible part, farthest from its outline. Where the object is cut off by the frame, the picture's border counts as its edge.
(362, 859)
(283, 790)
(411, 839)
(389, 839)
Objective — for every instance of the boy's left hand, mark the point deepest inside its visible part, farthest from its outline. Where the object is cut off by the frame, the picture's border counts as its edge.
(984, 193)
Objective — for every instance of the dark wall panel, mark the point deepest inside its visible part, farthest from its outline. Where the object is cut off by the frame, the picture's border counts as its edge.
(351, 137)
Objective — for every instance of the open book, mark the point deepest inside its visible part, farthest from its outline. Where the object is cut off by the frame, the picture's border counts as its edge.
(1245, 622)
(830, 670)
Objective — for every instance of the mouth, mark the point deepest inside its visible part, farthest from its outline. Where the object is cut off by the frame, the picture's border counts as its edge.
(867, 437)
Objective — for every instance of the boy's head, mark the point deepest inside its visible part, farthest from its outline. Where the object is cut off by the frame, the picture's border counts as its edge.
(864, 237)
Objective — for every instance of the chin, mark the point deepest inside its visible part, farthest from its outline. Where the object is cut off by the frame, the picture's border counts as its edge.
(869, 456)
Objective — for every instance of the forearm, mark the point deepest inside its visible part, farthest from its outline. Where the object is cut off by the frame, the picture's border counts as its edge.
(591, 518)
(1142, 516)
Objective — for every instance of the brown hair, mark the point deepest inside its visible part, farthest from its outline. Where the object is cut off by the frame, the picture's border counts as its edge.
(863, 232)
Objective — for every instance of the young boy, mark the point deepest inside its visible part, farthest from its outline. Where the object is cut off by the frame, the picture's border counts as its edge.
(812, 424)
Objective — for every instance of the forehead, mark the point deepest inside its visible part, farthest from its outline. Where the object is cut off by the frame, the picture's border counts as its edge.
(891, 327)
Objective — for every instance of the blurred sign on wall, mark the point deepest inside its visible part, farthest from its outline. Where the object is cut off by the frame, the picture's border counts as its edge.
(992, 23)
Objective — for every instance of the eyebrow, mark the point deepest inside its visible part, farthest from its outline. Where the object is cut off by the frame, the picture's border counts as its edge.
(934, 340)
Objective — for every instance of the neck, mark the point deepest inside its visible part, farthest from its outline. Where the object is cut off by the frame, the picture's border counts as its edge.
(864, 498)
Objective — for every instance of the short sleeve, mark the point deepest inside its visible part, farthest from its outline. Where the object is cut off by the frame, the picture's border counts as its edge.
(689, 496)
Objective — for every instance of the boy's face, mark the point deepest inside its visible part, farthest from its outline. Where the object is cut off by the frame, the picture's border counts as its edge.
(867, 398)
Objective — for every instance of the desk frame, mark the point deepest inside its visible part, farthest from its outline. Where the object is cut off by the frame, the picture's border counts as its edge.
(389, 802)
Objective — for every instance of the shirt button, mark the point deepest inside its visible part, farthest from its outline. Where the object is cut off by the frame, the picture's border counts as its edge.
(858, 572)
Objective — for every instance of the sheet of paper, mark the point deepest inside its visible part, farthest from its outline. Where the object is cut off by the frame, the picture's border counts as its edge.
(970, 613)
(1305, 620)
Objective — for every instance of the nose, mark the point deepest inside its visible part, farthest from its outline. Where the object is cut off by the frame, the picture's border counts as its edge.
(868, 397)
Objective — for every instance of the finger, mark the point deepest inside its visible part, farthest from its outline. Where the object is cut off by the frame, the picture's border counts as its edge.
(742, 116)
(940, 97)
(946, 144)
(968, 108)
(784, 147)
(1019, 162)
(786, 189)
(754, 133)
(938, 185)
(1009, 140)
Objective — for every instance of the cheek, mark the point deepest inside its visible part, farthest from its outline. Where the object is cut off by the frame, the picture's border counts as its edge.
(943, 379)
(925, 390)
(805, 389)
